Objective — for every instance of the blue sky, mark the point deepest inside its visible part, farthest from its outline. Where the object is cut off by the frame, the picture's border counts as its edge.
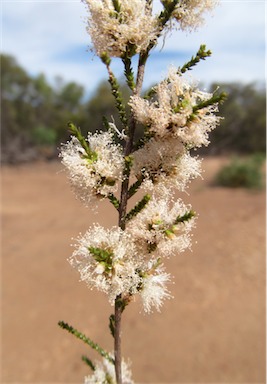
(50, 37)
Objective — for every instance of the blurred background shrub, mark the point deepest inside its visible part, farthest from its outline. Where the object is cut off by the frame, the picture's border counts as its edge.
(242, 172)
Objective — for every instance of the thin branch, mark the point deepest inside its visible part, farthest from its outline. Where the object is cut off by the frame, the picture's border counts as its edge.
(115, 90)
(117, 340)
(85, 339)
(202, 53)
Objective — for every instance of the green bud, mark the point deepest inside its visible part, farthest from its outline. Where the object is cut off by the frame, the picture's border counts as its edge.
(109, 181)
(105, 58)
(182, 105)
(169, 233)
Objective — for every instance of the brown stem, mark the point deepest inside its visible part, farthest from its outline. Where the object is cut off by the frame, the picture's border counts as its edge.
(140, 73)
(117, 340)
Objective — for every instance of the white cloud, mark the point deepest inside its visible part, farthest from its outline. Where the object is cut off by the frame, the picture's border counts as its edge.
(37, 30)
(50, 37)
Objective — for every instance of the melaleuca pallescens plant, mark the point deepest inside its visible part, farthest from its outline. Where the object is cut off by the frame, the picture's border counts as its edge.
(129, 259)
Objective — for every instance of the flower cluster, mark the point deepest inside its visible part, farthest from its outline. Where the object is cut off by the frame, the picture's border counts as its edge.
(165, 163)
(154, 290)
(173, 111)
(124, 263)
(162, 228)
(176, 117)
(119, 26)
(96, 170)
(106, 261)
(189, 13)
(128, 27)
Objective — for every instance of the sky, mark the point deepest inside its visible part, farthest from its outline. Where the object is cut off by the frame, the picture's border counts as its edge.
(50, 37)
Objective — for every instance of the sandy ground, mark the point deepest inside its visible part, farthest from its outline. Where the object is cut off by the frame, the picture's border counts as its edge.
(213, 331)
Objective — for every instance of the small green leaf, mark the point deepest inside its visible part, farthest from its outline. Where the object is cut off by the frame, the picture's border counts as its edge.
(86, 340)
(138, 207)
(116, 92)
(110, 181)
(101, 255)
(116, 5)
(128, 71)
(105, 122)
(112, 324)
(134, 187)
(213, 100)
(182, 105)
(75, 131)
(90, 156)
(88, 362)
(166, 14)
(186, 217)
(105, 58)
(114, 200)
(202, 53)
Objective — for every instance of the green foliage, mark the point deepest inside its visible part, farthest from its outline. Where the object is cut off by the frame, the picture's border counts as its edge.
(33, 112)
(138, 207)
(202, 53)
(75, 131)
(104, 257)
(214, 99)
(116, 92)
(114, 201)
(112, 324)
(88, 362)
(44, 135)
(242, 173)
(128, 72)
(169, 7)
(186, 217)
(134, 187)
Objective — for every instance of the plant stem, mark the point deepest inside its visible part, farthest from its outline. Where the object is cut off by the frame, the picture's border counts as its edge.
(129, 142)
(122, 214)
(117, 340)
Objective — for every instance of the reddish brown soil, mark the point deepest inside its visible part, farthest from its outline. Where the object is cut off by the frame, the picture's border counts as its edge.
(213, 331)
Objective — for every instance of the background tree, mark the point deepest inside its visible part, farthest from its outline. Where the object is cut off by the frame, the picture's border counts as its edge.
(17, 113)
(242, 129)
(35, 114)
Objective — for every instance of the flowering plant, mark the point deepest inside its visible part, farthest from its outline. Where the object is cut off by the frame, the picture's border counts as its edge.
(129, 259)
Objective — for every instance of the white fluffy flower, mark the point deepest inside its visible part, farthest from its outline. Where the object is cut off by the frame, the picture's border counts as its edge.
(161, 228)
(112, 31)
(171, 112)
(157, 155)
(106, 260)
(189, 13)
(159, 113)
(96, 176)
(154, 290)
(165, 162)
(105, 373)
